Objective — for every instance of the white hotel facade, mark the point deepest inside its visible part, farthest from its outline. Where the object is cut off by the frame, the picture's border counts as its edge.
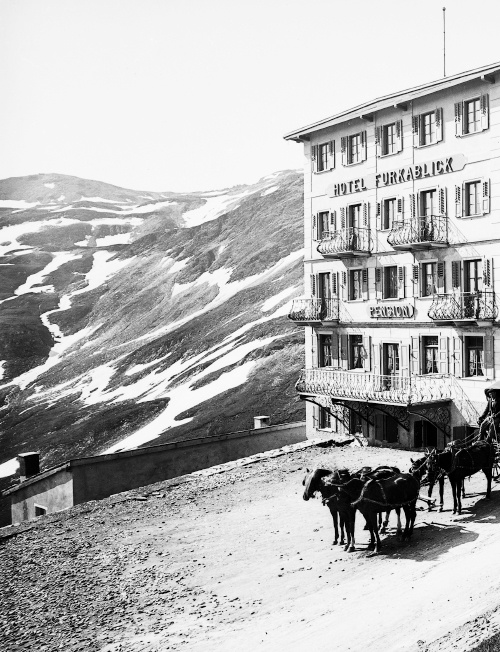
(402, 241)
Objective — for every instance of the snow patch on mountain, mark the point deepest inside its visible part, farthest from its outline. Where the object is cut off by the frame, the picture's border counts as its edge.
(33, 282)
(213, 208)
(2, 368)
(9, 467)
(9, 235)
(269, 191)
(137, 368)
(17, 203)
(177, 266)
(273, 301)
(50, 185)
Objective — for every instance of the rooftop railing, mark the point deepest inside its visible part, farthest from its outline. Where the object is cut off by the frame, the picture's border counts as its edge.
(464, 306)
(351, 241)
(408, 390)
(419, 232)
(314, 310)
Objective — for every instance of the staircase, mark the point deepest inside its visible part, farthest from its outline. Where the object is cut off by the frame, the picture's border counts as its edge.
(464, 406)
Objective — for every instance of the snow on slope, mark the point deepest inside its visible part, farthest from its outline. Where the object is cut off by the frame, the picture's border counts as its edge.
(32, 283)
(212, 209)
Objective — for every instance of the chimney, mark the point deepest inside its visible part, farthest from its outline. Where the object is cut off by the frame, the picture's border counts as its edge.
(29, 464)
(261, 422)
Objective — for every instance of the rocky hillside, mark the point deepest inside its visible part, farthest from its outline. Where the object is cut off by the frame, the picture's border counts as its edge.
(132, 318)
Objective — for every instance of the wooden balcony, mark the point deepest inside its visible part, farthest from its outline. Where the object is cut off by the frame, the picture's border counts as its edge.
(314, 310)
(346, 243)
(428, 232)
(374, 388)
(464, 307)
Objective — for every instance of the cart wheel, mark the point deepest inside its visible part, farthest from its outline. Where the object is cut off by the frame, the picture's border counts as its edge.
(495, 472)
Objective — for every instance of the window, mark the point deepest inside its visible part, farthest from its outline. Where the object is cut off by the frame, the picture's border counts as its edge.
(428, 202)
(355, 284)
(472, 115)
(353, 148)
(323, 224)
(356, 352)
(390, 284)
(355, 423)
(473, 196)
(425, 435)
(473, 276)
(428, 128)
(323, 156)
(429, 279)
(325, 418)
(325, 351)
(389, 212)
(39, 510)
(430, 351)
(474, 356)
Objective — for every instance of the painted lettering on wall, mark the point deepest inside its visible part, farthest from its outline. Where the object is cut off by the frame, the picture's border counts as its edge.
(392, 312)
(392, 177)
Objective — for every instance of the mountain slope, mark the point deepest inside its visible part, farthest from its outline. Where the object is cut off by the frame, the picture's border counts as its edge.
(131, 317)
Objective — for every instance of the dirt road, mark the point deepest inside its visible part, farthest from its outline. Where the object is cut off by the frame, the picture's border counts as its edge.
(238, 561)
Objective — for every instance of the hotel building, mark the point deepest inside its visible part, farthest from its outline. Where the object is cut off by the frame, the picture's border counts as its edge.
(402, 247)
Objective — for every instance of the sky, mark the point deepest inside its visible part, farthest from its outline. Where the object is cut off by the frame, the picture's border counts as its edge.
(185, 95)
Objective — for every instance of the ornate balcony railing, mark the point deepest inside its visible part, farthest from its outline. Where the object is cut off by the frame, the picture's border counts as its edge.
(419, 232)
(351, 241)
(409, 390)
(463, 306)
(314, 310)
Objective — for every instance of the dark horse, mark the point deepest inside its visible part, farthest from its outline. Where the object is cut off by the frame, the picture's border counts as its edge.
(382, 495)
(324, 481)
(458, 464)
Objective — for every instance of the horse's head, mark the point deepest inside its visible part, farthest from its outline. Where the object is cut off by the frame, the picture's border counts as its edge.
(312, 482)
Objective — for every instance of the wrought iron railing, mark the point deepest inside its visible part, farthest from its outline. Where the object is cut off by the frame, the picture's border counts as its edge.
(463, 403)
(408, 390)
(314, 309)
(418, 230)
(464, 305)
(349, 240)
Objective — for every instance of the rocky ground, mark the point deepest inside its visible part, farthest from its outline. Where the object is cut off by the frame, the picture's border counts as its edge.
(237, 560)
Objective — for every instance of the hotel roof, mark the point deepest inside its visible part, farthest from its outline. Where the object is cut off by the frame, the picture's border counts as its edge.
(366, 111)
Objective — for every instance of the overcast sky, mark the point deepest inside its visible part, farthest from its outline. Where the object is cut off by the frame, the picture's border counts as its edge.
(197, 94)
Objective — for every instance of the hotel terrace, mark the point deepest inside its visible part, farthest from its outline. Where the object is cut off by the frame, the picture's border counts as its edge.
(402, 235)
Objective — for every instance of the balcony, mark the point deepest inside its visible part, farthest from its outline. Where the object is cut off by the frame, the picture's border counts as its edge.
(464, 307)
(428, 232)
(374, 388)
(346, 243)
(314, 310)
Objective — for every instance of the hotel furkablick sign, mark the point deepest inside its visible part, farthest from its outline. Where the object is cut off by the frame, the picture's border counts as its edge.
(401, 175)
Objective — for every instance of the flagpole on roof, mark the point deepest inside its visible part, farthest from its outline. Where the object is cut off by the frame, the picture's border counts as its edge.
(444, 41)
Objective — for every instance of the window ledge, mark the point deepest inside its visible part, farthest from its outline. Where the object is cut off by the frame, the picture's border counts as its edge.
(323, 171)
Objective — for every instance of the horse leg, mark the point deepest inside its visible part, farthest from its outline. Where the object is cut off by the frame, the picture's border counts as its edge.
(441, 493)
(412, 507)
(384, 523)
(458, 491)
(488, 473)
(378, 545)
(399, 528)
(343, 528)
(453, 483)
(334, 514)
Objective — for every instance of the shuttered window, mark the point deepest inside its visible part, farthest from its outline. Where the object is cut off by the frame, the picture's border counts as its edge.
(430, 354)
(324, 156)
(472, 115)
(390, 284)
(429, 279)
(428, 128)
(474, 356)
(353, 148)
(356, 352)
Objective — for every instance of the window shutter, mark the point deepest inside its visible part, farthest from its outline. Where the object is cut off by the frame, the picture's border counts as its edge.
(442, 201)
(415, 356)
(343, 149)
(335, 350)
(344, 285)
(458, 201)
(333, 221)
(486, 197)
(413, 206)
(439, 125)
(342, 218)
(399, 209)
(489, 355)
(378, 282)
(399, 135)
(405, 360)
(415, 127)
(458, 119)
(363, 146)
(378, 141)
(456, 276)
(343, 350)
(331, 155)
(485, 112)
(401, 282)
(376, 357)
(366, 215)
(457, 357)
(335, 283)
(312, 284)
(367, 346)
(379, 216)
(440, 278)
(315, 227)
(365, 284)
(314, 349)
(488, 273)
(443, 356)
(314, 156)
(415, 279)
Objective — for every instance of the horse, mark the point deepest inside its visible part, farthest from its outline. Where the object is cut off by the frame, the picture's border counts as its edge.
(419, 469)
(375, 496)
(320, 480)
(460, 463)
(381, 473)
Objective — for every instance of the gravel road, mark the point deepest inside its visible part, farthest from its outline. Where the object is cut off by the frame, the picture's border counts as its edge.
(238, 561)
